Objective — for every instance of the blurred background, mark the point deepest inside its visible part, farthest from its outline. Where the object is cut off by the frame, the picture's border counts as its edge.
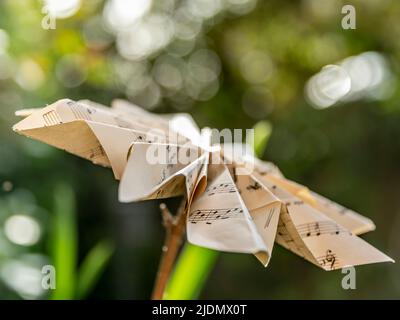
(328, 98)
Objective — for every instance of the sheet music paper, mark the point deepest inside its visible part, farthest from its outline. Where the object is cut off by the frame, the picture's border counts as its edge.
(264, 208)
(143, 180)
(351, 220)
(229, 208)
(331, 245)
(144, 119)
(91, 131)
(219, 219)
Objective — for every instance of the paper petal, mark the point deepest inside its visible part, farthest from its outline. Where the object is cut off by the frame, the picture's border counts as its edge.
(304, 230)
(219, 219)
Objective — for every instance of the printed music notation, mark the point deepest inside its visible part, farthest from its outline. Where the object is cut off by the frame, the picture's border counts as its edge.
(173, 188)
(166, 172)
(254, 186)
(220, 188)
(234, 175)
(264, 172)
(267, 169)
(283, 232)
(270, 214)
(329, 259)
(316, 229)
(122, 123)
(96, 152)
(51, 118)
(284, 237)
(296, 202)
(209, 216)
(80, 111)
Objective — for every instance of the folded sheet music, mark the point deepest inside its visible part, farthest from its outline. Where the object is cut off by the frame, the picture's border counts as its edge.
(234, 203)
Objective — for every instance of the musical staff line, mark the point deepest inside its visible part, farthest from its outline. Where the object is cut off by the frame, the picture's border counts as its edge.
(79, 111)
(51, 118)
(319, 228)
(210, 215)
(296, 202)
(221, 188)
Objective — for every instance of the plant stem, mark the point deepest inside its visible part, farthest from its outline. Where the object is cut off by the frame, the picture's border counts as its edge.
(175, 229)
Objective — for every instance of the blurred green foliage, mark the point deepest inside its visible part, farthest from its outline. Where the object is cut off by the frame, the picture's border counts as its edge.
(348, 152)
(72, 283)
(64, 242)
(191, 272)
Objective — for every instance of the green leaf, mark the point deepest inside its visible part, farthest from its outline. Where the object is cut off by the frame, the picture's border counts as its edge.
(93, 266)
(262, 132)
(191, 272)
(64, 242)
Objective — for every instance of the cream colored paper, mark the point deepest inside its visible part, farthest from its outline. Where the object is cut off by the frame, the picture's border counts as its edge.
(331, 245)
(91, 131)
(145, 179)
(228, 208)
(351, 220)
(219, 219)
(264, 208)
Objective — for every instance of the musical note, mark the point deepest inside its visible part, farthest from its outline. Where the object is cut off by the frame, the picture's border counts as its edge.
(234, 174)
(284, 237)
(283, 233)
(254, 186)
(96, 152)
(167, 171)
(329, 259)
(296, 203)
(265, 172)
(267, 168)
(144, 138)
(315, 229)
(209, 215)
(79, 111)
(221, 188)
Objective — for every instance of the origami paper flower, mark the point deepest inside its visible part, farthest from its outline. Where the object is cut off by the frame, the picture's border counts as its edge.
(235, 203)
